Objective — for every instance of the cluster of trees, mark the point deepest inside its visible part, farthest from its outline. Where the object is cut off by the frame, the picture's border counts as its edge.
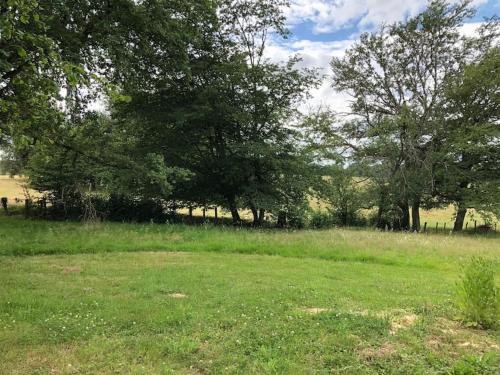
(424, 122)
(196, 115)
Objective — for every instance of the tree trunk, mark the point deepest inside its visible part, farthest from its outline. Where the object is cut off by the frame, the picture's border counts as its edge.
(396, 221)
(415, 216)
(382, 221)
(281, 219)
(405, 215)
(459, 220)
(255, 215)
(261, 216)
(234, 211)
(344, 216)
(4, 205)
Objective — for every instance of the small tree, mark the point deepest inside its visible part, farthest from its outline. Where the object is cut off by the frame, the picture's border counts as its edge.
(344, 191)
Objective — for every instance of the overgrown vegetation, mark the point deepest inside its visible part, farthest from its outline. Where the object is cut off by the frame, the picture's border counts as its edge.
(478, 294)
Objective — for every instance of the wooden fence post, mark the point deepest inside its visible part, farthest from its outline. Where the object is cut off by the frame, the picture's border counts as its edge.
(215, 213)
(437, 225)
(425, 226)
(4, 204)
(466, 225)
(475, 225)
(204, 213)
(445, 227)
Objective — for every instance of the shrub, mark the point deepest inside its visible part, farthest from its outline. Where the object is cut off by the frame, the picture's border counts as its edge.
(297, 221)
(478, 295)
(320, 220)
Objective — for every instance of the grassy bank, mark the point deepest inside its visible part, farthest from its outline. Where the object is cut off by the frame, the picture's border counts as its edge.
(32, 237)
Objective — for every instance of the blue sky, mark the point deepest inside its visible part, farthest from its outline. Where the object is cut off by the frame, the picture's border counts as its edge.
(322, 29)
(330, 20)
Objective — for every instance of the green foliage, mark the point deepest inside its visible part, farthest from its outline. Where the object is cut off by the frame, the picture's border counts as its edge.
(29, 70)
(476, 365)
(226, 119)
(321, 220)
(468, 171)
(4, 167)
(479, 299)
(345, 193)
(93, 161)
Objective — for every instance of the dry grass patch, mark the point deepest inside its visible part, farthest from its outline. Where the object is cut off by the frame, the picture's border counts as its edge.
(177, 295)
(402, 322)
(49, 360)
(72, 270)
(314, 310)
(372, 353)
(450, 334)
(16, 187)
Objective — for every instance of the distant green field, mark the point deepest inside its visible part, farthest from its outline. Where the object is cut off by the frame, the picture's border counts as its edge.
(169, 299)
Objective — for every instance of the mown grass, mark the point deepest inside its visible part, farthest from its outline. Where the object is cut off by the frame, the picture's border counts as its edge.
(161, 299)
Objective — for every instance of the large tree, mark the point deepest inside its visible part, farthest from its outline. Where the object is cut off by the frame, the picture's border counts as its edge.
(467, 172)
(189, 90)
(397, 78)
(62, 55)
(223, 113)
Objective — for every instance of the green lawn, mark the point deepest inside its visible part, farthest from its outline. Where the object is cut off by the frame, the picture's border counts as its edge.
(161, 299)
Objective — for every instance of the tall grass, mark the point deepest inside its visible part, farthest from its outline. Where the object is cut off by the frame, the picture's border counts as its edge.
(478, 294)
(30, 237)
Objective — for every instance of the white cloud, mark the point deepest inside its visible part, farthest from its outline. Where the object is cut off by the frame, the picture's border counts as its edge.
(318, 54)
(333, 15)
(314, 54)
(470, 29)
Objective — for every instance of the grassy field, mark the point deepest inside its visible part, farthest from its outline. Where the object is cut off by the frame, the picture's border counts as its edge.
(160, 299)
(11, 187)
